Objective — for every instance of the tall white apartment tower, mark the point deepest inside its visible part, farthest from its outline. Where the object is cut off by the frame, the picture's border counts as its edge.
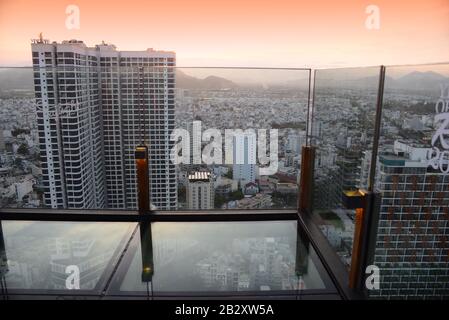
(194, 129)
(96, 105)
(69, 124)
(295, 142)
(138, 101)
(244, 158)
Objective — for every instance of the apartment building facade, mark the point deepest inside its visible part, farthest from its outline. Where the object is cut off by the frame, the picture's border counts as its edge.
(95, 105)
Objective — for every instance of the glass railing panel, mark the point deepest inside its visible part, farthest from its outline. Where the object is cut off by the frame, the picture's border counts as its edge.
(343, 120)
(21, 182)
(68, 136)
(255, 121)
(412, 177)
(59, 257)
(234, 258)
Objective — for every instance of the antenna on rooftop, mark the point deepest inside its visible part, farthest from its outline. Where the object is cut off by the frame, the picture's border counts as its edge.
(40, 39)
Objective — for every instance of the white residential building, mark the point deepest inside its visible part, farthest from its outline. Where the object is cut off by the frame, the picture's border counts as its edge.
(200, 191)
(244, 158)
(95, 105)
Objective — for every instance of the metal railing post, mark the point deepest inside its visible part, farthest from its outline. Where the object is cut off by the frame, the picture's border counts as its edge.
(366, 207)
(306, 179)
(143, 180)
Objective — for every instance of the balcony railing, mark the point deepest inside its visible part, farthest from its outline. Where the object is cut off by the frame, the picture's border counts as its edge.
(244, 215)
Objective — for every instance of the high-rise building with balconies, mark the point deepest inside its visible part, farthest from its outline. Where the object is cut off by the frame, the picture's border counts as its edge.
(95, 105)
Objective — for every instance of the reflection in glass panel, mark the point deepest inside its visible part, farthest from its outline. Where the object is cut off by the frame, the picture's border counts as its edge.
(342, 131)
(43, 255)
(219, 257)
(412, 176)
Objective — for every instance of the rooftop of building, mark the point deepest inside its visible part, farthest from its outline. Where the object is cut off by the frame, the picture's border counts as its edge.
(103, 46)
(392, 160)
(199, 176)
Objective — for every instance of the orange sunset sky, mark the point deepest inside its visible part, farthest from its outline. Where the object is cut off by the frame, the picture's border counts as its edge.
(281, 33)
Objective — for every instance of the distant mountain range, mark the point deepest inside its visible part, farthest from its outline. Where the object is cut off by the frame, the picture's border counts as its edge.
(418, 80)
(21, 79)
(185, 81)
(413, 81)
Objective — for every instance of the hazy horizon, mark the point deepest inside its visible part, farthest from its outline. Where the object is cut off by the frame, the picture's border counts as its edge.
(242, 76)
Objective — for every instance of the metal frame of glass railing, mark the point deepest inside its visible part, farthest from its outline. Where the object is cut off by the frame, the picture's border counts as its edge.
(153, 216)
(327, 256)
(321, 248)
